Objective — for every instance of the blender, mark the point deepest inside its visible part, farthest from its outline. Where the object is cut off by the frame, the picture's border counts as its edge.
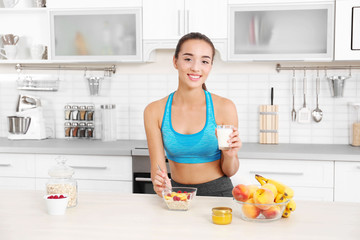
(28, 121)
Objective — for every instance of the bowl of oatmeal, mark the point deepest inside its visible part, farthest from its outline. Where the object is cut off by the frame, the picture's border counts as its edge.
(179, 198)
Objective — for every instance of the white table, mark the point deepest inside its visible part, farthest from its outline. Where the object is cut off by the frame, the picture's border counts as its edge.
(103, 216)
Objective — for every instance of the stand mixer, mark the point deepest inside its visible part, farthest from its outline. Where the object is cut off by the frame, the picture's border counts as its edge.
(28, 121)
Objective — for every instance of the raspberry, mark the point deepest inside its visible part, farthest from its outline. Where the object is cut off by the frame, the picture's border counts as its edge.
(185, 191)
(56, 197)
(188, 197)
(169, 195)
(50, 197)
(176, 198)
(179, 191)
(61, 196)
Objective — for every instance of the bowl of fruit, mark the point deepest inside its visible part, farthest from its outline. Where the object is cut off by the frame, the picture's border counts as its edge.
(179, 198)
(268, 202)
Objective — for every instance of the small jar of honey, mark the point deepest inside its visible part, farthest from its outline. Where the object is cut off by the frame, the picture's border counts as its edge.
(222, 215)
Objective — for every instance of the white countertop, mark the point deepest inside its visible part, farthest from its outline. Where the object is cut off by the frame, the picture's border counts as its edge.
(117, 216)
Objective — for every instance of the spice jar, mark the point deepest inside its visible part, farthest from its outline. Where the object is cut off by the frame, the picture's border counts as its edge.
(354, 124)
(222, 215)
(61, 181)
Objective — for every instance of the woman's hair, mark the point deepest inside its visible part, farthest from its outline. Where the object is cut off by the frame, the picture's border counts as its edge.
(196, 36)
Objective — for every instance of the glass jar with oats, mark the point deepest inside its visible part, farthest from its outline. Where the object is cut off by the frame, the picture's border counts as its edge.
(61, 181)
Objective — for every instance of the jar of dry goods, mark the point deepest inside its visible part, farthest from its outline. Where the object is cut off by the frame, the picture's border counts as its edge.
(61, 181)
(354, 124)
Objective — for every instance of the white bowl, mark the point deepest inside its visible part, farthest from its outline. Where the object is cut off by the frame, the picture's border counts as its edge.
(56, 206)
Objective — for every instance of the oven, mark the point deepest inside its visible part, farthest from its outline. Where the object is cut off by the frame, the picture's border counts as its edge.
(141, 176)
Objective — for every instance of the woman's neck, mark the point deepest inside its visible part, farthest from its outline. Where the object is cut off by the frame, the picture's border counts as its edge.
(189, 97)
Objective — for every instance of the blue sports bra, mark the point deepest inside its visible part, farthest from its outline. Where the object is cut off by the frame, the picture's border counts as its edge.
(200, 147)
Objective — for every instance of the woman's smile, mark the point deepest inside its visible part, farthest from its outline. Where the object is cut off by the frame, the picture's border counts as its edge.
(194, 77)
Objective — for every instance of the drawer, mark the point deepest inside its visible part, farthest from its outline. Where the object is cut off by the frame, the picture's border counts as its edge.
(293, 173)
(17, 165)
(89, 167)
(313, 194)
(94, 185)
(17, 183)
(347, 181)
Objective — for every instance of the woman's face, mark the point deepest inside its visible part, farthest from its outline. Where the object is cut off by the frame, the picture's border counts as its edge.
(194, 62)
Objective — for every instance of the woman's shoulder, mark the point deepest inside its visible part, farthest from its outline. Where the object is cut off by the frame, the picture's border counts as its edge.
(156, 107)
(221, 101)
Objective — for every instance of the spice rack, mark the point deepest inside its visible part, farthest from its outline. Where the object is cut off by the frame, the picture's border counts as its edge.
(269, 124)
(79, 120)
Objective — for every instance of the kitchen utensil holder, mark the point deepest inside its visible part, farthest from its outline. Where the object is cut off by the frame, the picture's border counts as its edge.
(30, 84)
(79, 121)
(269, 124)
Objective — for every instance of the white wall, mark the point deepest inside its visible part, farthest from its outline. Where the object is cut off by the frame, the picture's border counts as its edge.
(247, 84)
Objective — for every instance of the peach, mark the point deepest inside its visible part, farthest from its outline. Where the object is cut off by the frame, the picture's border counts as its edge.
(241, 192)
(249, 210)
(271, 187)
(272, 212)
(263, 196)
(252, 189)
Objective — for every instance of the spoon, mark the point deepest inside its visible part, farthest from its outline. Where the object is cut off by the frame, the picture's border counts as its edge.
(317, 113)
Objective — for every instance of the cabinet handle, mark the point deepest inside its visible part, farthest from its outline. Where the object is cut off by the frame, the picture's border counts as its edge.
(179, 33)
(187, 20)
(5, 164)
(142, 179)
(276, 173)
(90, 167)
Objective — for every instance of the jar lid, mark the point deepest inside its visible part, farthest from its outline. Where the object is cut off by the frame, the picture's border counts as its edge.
(221, 210)
(67, 107)
(61, 170)
(108, 106)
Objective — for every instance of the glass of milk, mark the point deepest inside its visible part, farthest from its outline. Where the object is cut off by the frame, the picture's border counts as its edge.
(223, 134)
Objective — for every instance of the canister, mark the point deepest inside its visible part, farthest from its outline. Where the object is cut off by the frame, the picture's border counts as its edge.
(222, 215)
(108, 122)
(354, 124)
(61, 181)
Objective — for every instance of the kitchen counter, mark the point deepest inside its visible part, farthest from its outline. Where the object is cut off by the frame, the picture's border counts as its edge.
(327, 152)
(117, 216)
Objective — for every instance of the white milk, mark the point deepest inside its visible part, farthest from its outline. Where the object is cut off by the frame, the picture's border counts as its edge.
(223, 134)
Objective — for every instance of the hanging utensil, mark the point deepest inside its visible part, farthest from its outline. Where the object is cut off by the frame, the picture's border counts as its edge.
(317, 113)
(304, 112)
(293, 111)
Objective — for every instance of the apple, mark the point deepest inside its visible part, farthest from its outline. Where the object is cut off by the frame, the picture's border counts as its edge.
(263, 196)
(241, 192)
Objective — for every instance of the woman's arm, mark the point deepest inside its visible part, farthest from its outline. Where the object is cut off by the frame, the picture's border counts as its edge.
(152, 123)
(227, 115)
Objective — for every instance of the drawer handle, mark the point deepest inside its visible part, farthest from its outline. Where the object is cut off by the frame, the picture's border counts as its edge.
(142, 179)
(5, 165)
(277, 173)
(90, 167)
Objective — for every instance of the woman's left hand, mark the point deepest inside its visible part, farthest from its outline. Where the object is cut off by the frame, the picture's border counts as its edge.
(234, 143)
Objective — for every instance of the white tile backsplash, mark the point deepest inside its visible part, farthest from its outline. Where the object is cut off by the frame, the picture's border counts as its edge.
(132, 90)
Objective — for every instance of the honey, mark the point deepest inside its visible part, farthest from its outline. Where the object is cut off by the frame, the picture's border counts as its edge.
(222, 215)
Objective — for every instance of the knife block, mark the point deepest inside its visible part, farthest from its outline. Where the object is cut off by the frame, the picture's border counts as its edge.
(269, 124)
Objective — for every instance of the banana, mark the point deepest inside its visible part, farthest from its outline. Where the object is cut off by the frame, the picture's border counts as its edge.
(291, 205)
(280, 198)
(287, 191)
(286, 213)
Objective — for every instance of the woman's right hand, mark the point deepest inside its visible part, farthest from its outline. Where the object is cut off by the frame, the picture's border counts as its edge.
(160, 182)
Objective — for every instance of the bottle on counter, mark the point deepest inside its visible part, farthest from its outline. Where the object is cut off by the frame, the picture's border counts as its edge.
(61, 181)
(108, 122)
(354, 124)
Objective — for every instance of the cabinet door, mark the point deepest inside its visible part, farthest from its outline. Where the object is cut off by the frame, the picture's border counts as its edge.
(206, 16)
(281, 32)
(347, 181)
(163, 19)
(17, 165)
(347, 30)
(314, 176)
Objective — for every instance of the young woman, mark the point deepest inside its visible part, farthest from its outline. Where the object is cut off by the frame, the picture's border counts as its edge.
(183, 125)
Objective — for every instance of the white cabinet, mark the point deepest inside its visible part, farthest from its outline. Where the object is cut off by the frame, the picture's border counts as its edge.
(311, 180)
(281, 31)
(165, 22)
(93, 173)
(17, 171)
(347, 181)
(347, 30)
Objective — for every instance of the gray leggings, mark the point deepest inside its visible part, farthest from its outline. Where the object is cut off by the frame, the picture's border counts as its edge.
(221, 187)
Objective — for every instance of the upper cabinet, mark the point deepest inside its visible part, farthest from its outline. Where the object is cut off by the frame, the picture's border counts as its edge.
(165, 22)
(281, 31)
(347, 30)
